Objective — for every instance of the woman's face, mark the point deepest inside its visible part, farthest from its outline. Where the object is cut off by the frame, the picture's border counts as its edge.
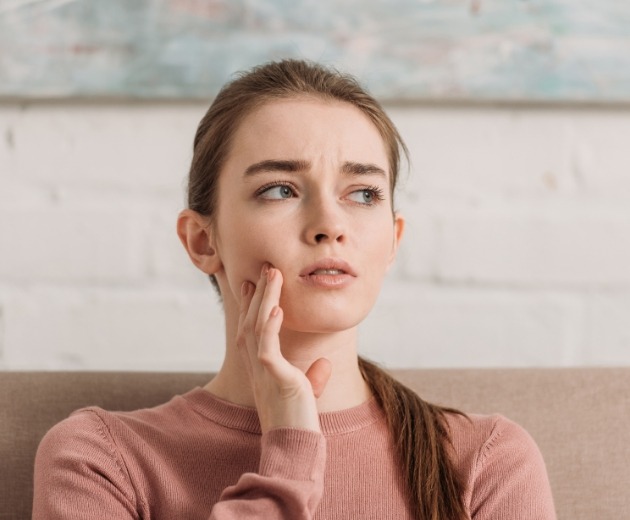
(306, 188)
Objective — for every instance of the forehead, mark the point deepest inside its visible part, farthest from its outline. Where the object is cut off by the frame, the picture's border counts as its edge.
(311, 129)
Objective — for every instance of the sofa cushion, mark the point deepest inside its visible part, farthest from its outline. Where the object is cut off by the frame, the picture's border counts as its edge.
(578, 416)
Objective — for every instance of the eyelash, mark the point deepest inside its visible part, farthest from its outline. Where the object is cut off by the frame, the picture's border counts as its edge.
(376, 191)
(274, 184)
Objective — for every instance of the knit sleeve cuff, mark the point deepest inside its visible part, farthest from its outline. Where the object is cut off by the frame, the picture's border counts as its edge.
(293, 454)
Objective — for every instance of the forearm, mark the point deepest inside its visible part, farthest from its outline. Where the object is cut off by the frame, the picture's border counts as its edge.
(289, 483)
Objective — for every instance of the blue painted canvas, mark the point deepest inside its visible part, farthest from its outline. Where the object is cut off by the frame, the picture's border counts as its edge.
(533, 50)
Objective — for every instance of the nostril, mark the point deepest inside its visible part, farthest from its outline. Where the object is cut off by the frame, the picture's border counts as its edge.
(319, 237)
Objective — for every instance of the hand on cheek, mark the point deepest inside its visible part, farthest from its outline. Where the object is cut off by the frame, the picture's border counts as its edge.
(284, 395)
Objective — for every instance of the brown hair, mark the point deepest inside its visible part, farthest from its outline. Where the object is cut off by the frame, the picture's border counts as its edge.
(418, 429)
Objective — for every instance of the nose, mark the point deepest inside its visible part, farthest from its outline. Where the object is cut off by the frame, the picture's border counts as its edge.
(324, 223)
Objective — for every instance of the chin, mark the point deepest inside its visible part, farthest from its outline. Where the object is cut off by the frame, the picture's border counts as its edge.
(326, 312)
(323, 321)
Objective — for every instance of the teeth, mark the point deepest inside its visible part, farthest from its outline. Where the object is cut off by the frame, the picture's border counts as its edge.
(328, 271)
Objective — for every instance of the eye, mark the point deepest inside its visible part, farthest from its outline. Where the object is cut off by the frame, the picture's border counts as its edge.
(367, 196)
(276, 192)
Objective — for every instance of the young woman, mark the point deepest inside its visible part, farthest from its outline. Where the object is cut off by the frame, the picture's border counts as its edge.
(291, 214)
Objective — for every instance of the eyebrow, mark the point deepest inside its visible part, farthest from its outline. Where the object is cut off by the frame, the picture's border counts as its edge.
(354, 168)
(276, 165)
(293, 166)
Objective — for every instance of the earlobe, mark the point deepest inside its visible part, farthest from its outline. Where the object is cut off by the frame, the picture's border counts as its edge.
(197, 237)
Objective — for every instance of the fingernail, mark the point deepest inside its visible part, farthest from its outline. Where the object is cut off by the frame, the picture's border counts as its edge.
(244, 288)
(265, 269)
(274, 312)
(270, 274)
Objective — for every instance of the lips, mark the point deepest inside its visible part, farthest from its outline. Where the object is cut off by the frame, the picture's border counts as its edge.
(328, 267)
(330, 272)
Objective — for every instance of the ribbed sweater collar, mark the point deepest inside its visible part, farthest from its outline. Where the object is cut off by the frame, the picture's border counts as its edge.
(244, 418)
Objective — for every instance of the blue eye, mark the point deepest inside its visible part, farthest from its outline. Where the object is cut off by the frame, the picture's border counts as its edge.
(367, 196)
(277, 192)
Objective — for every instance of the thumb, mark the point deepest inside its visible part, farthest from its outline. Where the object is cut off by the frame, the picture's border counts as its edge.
(318, 374)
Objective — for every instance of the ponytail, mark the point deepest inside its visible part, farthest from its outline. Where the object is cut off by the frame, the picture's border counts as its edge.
(420, 435)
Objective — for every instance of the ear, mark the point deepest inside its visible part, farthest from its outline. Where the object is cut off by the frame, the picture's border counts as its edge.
(399, 229)
(196, 234)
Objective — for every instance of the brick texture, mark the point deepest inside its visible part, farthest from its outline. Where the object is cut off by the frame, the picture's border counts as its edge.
(516, 251)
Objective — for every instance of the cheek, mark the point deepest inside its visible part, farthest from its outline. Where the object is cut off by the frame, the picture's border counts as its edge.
(244, 246)
(377, 243)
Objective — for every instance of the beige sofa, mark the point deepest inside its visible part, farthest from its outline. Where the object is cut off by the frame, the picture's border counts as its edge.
(580, 418)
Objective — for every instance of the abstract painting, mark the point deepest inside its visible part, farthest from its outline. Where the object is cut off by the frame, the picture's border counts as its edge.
(510, 50)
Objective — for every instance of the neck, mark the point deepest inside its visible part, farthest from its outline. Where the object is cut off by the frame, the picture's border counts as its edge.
(345, 388)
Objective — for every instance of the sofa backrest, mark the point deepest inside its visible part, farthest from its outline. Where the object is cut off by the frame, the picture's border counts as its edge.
(580, 418)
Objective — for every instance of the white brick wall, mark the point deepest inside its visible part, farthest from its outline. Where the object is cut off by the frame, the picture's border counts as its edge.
(536, 247)
(55, 328)
(517, 250)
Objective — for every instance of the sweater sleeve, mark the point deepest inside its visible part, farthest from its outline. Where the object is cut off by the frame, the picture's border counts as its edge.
(511, 479)
(78, 473)
(288, 485)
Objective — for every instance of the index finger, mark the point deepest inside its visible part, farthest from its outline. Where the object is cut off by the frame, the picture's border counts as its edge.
(270, 297)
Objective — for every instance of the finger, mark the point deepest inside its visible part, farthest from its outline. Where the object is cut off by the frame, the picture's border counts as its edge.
(254, 306)
(269, 353)
(269, 345)
(250, 319)
(270, 319)
(319, 374)
(271, 297)
(247, 293)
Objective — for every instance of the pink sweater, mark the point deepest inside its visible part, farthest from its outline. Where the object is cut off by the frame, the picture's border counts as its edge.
(198, 457)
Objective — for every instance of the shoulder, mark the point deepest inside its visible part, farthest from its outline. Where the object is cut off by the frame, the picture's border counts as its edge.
(83, 431)
(95, 434)
(88, 428)
(98, 456)
(480, 437)
(83, 442)
(502, 466)
(77, 458)
(484, 443)
(110, 431)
